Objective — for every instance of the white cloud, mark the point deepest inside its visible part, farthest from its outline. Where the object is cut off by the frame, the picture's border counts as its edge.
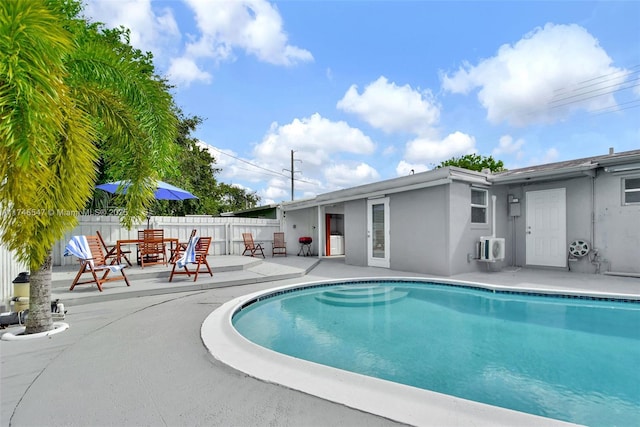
(184, 71)
(233, 167)
(405, 168)
(253, 26)
(550, 156)
(151, 29)
(389, 150)
(329, 74)
(549, 73)
(274, 193)
(435, 151)
(392, 108)
(508, 146)
(346, 175)
(314, 140)
(318, 145)
(223, 28)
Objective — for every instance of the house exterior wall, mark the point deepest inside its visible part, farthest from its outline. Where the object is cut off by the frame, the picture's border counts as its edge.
(463, 235)
(617, 227)
(301, 223)
(431, 230)
(615, 231)
(578, 204)
(355, 232)
(418, 231)
(503, 224)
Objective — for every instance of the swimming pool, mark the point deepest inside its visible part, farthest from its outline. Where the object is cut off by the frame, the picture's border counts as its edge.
(568, 359)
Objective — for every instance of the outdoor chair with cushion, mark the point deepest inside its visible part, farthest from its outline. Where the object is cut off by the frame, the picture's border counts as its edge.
(88, 250)
(250, 246)
(152, 248)
(110, 251)
(195, 253)
(181, 247)
(279, 246)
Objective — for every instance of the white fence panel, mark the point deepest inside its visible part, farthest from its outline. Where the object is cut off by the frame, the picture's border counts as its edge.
(226, 233)
(9, 269)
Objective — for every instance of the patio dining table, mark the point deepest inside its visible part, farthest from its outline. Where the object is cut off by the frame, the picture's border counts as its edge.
(119, 243)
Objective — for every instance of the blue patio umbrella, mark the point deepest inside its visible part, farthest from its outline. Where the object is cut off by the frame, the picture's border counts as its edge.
(163, 191)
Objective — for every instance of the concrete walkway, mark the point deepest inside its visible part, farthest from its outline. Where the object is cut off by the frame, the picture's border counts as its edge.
(133, 356)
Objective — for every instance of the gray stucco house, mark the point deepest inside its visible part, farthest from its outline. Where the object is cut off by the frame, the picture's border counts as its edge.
(582, 215)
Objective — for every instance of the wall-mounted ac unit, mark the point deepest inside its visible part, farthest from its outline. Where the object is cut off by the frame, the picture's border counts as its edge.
(491, 249)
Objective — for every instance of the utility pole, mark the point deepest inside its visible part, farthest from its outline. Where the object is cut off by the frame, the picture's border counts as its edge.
(293, 171)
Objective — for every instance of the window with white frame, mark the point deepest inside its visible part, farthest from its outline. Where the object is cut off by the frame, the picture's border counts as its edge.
(479, 204)
(631, 191)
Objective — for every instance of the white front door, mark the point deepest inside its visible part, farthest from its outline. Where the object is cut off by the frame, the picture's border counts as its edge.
(546, 228)
(378, 232)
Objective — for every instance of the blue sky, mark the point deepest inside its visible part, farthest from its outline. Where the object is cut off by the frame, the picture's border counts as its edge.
(364, 91)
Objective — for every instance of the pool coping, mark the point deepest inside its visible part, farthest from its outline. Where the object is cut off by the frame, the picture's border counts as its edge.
(397, 402)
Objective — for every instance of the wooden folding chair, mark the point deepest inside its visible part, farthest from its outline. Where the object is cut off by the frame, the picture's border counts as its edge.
(181, 247)
(96, 263)
(198, 256)
(152, 248)
(251, 247)
(111, 251)
(279, 246)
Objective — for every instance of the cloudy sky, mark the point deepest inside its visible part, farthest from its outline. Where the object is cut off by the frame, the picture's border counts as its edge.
(364, 91)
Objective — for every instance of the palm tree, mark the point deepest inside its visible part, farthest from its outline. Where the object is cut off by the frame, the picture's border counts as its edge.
(70, 95)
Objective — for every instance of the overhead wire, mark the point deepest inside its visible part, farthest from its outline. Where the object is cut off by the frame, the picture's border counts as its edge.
(584, 90)
(272, 172)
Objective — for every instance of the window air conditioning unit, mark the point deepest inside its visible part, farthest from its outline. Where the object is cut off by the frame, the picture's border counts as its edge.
(491, 249)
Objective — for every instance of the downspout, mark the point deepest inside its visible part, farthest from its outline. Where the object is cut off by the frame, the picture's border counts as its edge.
(593, 211)
(594, 256)
(493, 214)
(319, 230)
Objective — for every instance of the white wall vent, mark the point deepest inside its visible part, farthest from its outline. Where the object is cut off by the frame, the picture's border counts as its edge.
(491, 249)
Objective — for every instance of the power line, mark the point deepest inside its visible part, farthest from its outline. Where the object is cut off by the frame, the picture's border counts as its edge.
(615, 108)
(272, 172)
(607, 77)
(625, 80)
(569, 93)
(595, 95)
(249, 163)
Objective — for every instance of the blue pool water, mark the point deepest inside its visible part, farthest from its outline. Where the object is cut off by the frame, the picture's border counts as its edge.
(564, 358)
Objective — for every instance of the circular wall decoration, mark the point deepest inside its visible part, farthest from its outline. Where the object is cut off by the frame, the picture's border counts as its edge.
(578, 248)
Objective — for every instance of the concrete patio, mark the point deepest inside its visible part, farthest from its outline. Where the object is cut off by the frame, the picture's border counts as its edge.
(134, 355)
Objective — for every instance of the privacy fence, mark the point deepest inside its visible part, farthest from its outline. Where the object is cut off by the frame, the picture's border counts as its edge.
(226, 234)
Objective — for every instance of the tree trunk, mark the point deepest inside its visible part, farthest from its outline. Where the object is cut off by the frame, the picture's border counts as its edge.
(40, 319)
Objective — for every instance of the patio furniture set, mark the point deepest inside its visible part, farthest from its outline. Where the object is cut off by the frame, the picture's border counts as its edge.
(98, 260)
